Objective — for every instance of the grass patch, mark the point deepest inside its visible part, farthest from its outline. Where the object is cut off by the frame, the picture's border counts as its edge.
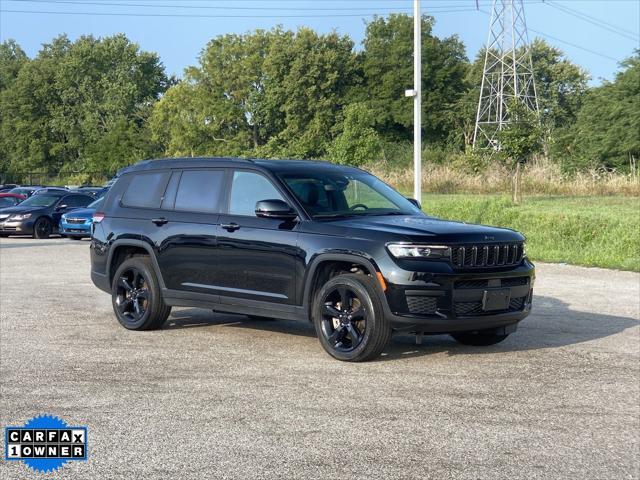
(591, 231)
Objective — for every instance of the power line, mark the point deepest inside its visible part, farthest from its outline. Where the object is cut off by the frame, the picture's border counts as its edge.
(218, 7)
(603, 55)
(203, 15)
(594, 21)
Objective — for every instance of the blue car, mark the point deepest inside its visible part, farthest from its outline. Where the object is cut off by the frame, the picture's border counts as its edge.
(76, 224)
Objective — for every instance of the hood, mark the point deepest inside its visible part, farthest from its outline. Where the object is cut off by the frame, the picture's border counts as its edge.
(421, 228)
(80, 213)
(19, 209)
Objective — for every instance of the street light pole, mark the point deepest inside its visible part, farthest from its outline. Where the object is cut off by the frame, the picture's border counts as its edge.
(417, 102)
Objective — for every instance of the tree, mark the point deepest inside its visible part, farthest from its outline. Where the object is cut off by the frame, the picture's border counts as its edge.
(64, 102)
(560, 85)
(606, 133)
(358, 144)
(387, 66)
(520, 139)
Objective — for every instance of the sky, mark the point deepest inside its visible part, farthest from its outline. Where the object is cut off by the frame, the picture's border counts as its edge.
(595, 34)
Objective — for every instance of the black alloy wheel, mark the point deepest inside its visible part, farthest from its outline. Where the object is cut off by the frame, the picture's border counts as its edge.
(349, 318)
(132, 294)
(42, 228)
(136, 296)
(344, 318)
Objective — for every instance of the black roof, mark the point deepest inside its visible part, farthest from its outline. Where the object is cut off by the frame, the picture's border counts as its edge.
(273, 165)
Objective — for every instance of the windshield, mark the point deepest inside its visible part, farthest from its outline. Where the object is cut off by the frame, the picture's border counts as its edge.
(7, 202)
(326, 194)
(42, 200)
(21, 191)
(96, 204)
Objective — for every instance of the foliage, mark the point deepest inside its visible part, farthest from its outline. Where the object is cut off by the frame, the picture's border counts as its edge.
(96, 104)
(521, 138)
(387, 66)
(358, 144)
(606, 132)
(76, 99)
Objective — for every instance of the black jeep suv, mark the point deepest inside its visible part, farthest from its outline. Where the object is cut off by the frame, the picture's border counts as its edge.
(303, 240)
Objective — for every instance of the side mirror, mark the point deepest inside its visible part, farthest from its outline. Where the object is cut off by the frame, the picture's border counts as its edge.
(415, 202)
(61, 207)
(275, 209)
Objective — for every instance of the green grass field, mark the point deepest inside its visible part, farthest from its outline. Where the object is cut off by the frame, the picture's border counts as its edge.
(590, 231)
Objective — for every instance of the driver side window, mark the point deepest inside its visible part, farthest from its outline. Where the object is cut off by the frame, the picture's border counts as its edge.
(248, 188)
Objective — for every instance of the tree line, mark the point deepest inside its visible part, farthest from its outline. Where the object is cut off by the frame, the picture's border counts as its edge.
(97, 104)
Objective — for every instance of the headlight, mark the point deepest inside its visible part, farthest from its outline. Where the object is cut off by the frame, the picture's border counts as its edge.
(524, 249)
(19, 216)
(404, 250)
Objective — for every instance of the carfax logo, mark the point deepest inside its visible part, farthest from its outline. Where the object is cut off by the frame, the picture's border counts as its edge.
(45, 443)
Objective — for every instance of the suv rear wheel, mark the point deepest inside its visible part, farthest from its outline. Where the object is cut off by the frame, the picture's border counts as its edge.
(480, 339)
(349, 319)
(136, 297)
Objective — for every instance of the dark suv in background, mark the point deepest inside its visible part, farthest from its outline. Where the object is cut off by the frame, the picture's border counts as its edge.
(303, 240)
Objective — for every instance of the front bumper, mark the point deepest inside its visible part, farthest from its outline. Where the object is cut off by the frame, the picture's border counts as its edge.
(75, 229)
(17, 227)
(453, 302)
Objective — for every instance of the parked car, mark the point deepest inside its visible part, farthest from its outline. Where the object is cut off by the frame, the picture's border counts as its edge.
(96, 192)
(4, 188)
(303, 240)
(39, 215)
(50, 189)
(27, 190)
(10, 199)
(76, 224)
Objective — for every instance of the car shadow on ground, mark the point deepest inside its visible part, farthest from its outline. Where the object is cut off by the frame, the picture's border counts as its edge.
(552, 324)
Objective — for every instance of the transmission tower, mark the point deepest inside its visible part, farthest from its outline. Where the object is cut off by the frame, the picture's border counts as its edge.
(507, 75)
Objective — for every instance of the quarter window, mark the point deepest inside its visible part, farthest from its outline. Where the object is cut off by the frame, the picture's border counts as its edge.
(199, 191)
(247, 189)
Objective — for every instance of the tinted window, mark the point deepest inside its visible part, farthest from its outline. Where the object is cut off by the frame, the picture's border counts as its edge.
(76, 201)
(247, 189)
(199, 190)
(145, 190)
(8, 201)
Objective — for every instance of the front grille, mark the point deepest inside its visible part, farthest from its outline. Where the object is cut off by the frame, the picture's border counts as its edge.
(472, 284)
(75, 220)
(484, 283)
(514, 281)
(421, 305)
(475, 308)
(482, 255)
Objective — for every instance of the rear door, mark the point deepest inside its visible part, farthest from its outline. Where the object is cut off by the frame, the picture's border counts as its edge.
(184, 232)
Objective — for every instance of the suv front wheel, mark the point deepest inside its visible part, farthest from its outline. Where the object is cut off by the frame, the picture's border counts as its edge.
(136, 297)
(349, 319)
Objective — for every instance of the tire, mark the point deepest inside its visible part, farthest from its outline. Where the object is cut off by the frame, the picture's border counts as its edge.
(480, 339)
(136, 297)
(358, 332)
(43, 228)
(4, 235)
(74, 237)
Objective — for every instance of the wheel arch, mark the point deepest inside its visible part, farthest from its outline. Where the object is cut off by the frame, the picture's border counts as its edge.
(121, 249)
(321, 267)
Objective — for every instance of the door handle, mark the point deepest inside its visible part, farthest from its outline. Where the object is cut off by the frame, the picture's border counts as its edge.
(230, 227)
(160, 221)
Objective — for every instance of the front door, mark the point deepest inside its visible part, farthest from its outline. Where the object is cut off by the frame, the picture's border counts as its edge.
(257, 257)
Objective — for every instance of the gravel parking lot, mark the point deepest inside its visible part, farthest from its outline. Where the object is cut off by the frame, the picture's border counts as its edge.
(219, 396)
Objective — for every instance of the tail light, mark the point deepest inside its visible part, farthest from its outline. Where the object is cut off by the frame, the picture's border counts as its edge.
(98, 217)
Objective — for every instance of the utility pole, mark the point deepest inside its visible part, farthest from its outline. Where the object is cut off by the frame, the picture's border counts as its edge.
(417, 101)
(507, 75)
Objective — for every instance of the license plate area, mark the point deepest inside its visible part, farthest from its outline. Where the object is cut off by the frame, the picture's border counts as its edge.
(497, 299)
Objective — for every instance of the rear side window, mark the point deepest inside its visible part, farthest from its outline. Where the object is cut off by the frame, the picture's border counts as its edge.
(199, 191)
(145, 190)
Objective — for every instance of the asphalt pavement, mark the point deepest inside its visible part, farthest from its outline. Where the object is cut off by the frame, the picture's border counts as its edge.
(220, 396)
